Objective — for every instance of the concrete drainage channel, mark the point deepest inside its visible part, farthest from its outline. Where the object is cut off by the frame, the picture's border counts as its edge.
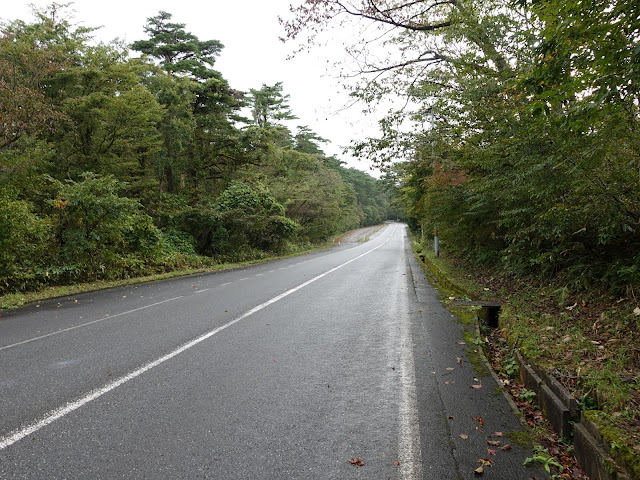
(561, 409)
(555, 401)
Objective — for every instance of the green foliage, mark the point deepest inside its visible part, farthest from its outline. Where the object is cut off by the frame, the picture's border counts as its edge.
(316, 197)
(528, 395)
(113, 117)
(99, 233)
(530, 161)
(541, 455)
(511, 367)
(251, 217)
(25, 68)
(112, 166)
(24, 243)
(177, 50)
(306, 141)
(270, 105)
(373, 201)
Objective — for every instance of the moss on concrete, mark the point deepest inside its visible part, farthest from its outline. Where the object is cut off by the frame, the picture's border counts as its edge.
(523, 438)
(622, 453)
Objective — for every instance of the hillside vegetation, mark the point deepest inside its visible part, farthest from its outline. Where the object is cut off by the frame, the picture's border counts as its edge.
(120, 161)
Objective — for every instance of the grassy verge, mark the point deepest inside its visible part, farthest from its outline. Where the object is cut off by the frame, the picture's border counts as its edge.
(589, 340)
(14, 300)
(368, 235)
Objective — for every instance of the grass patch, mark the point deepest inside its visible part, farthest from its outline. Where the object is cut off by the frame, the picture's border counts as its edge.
(368, 235)
(451, 278)
(15, 300)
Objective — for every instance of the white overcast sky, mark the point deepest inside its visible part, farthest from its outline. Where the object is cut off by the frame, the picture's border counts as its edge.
(253, 54)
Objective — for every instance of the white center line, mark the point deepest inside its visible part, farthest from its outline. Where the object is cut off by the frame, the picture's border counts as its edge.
(109, 317)
(52, 416)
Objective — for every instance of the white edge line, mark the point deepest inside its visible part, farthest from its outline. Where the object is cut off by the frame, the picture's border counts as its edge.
(108, 317)
(409, 445)
(52, 416)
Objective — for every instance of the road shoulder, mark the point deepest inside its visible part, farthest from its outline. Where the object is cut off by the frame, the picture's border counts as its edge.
(461, 405)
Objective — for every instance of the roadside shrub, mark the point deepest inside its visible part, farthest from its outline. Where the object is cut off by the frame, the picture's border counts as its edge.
(24, 244)
(251, 217)
(100, 233)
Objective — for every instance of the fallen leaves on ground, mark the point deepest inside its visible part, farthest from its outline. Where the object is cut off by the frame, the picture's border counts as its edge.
(357, 462)
(479, 420)
(484, 462)
(532, 415)
(493, 443)
(477, 387)
(396, 463)
(463, 436)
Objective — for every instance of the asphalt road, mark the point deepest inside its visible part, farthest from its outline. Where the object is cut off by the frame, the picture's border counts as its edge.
(286, 370)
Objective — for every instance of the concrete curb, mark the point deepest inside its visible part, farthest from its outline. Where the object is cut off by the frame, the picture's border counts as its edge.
(554, 406)
(562, 411)
(441, 277)
(591, 452)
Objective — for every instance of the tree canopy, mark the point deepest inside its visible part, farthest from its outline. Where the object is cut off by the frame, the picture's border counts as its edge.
(517, 122)
(179, 51)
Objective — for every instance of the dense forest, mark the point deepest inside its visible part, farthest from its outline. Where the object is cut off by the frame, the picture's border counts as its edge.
(122, 160)
(518, 121)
